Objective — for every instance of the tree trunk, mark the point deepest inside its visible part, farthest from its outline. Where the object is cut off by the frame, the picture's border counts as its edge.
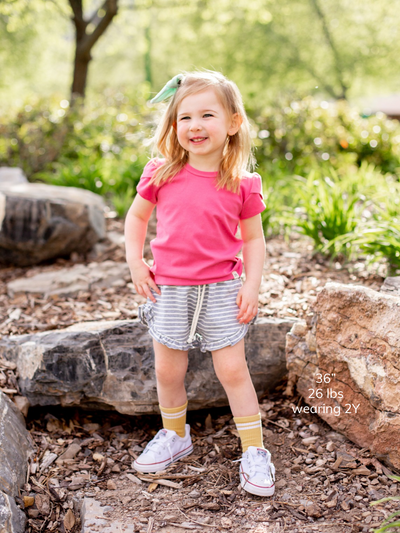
(101, 19)
(81, 67)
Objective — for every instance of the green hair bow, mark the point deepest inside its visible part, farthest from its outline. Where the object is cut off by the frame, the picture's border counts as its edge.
(168, 90)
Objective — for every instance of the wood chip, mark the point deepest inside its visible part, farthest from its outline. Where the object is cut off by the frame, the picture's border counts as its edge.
(184, 525)
(69, 520)
(111, 485)
(337, 463)
(361, 471)
(309, 440)
(165, 482)
(152, 487)
(212, 506)
(150, 525)
(42, 502)
(133, 478)
(301, 450)
(28, 501)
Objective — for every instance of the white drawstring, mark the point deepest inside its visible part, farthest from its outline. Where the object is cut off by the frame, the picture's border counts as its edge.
(200, 297)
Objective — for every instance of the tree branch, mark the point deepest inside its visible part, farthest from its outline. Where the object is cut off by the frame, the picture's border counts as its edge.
(298, 59)
(335, 53)
(95, 19)
(76, 6)
(78, 20)
(90, 40)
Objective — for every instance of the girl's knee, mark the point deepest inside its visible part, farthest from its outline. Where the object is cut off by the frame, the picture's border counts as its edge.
(170, 374)
(232, 374)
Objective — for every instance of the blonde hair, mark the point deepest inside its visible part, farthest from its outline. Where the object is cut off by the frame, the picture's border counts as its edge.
(237, 155)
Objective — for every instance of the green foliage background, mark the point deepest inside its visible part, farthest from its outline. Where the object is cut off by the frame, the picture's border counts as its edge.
(266, 46)
(328, 172)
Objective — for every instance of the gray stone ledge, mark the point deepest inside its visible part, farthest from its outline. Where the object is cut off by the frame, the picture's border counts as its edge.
(12, 519)
(110, 365)
(15, 449)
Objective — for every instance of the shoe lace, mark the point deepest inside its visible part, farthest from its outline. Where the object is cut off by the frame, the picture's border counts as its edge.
(158, 443)
(259, 464)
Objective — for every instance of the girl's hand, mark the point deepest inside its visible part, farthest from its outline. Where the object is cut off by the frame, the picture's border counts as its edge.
(142, 279)
(247, 300)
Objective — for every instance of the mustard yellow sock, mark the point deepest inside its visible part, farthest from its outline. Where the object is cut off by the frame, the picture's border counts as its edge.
(250, 431)
(174, 418)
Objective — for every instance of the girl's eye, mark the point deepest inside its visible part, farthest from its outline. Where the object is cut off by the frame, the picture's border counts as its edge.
(208, 115)
(184, 118)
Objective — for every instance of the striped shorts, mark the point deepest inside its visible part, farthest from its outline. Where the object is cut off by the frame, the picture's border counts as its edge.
(190, 316)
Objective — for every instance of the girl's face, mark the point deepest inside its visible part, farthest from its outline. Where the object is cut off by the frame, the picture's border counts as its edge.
(202, 127)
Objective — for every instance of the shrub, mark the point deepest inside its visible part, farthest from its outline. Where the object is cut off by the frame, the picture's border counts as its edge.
(326, 209)
(352, 212)
(101, 147)
(389, 524)
(304, 134)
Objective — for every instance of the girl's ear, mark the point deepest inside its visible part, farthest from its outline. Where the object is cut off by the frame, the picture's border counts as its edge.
(237, 121)
(174, 125)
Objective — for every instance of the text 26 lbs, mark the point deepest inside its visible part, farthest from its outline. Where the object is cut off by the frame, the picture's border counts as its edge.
(331, 393)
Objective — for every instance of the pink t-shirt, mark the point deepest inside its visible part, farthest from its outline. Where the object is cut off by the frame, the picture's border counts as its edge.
(196, 241)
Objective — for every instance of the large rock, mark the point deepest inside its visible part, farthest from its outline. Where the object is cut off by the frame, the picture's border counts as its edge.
(69, 281)
(347, 366)
(110, 365)
(391, 286)
(40, 222)
(15, 447)
(12, 175)
(12, 519)
(15, 450)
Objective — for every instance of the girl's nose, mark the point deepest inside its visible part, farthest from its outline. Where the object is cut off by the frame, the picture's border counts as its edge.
(194, 125)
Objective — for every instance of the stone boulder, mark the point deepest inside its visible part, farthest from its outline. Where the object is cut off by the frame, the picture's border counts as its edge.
(391, 286)
(346, 363)
(12, 519)
(12, 175)
(40, 222)
(110, 365)
(69, 281)
(15, 449)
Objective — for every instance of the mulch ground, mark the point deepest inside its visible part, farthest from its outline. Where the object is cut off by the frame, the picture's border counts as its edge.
(324, 483)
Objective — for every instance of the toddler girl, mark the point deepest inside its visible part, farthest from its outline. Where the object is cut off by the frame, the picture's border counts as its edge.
(195, 294)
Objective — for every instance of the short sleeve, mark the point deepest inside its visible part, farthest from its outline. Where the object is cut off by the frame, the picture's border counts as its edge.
(253, 203)
(147, 190)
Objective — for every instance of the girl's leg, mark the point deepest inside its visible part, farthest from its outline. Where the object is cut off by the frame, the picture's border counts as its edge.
(257, 473)
(171, 366)
(232, 371)
(231, 368)
(166, 448)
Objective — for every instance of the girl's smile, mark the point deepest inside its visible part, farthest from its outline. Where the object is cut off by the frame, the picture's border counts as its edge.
(203, 126)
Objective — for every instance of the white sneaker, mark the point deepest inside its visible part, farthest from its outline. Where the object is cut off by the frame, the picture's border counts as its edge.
(166, 448)
(257, 473)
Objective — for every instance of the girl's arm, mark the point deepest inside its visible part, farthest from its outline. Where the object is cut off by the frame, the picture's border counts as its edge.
(136, 222)
(253, 258)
